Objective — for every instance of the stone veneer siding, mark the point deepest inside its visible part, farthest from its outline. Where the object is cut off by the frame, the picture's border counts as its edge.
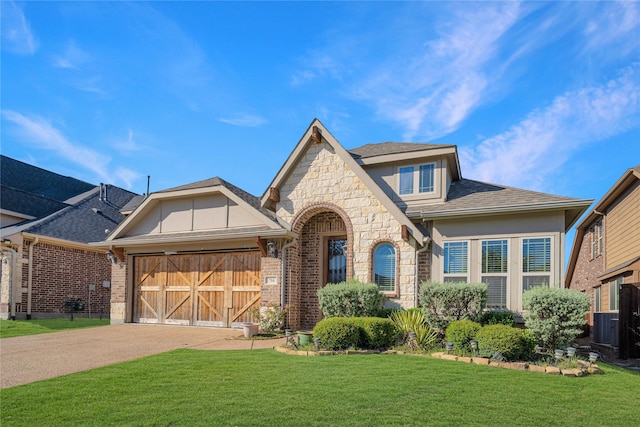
(119, 274)
(323, 182)
(61, 273)
(585, 275)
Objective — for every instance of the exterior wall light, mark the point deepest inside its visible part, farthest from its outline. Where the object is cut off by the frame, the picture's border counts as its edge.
(272, 250)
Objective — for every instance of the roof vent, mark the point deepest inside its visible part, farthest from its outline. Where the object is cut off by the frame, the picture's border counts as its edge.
(96, 210)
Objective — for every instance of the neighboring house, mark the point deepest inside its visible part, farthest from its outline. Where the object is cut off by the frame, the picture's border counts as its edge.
(395, 214)
(605, 263)
(48, 221)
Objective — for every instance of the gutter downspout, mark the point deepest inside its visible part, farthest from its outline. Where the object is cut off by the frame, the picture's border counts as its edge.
(30, 277)
(284, 270)
(426, 243)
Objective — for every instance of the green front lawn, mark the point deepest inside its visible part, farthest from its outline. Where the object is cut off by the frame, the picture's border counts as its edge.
(15, 328)
(266, 388)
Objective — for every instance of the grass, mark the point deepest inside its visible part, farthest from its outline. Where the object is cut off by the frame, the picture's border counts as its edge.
(16, 328)
(263, 388)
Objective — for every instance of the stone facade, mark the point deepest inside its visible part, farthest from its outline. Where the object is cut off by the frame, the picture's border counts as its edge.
(119, 273)
(320, 188)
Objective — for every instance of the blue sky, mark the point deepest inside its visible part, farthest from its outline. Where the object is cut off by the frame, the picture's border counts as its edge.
(541, 96)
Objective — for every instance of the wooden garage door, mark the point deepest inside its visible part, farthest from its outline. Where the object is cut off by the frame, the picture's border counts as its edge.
(197, 289)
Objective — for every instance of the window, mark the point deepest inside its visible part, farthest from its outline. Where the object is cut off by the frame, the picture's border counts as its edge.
(596, 299)
(384, 267)
(536, 262)
(494, 272)
(614, 294)
(422, 174)
(596, 239)
(336, 260)
(456, 261)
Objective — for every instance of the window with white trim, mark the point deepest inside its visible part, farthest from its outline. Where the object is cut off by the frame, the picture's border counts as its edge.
(536, 262)
(596, 239)
(384, 267)
(423, 175)
(495, 271)
(456, 261)
(614, 294)
(597, 300)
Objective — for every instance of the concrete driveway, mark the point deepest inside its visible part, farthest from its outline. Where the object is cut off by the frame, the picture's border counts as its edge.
(37, 357)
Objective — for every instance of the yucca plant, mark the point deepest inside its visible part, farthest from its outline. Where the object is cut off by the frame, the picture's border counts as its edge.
(413, 321)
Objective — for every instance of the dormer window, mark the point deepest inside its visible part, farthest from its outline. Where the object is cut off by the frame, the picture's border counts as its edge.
(423, 175)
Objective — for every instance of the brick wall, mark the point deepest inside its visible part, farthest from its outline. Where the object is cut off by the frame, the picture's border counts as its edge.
(586, 272)
(62, 273)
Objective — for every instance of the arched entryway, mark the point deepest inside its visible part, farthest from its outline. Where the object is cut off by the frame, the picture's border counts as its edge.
(323, 254)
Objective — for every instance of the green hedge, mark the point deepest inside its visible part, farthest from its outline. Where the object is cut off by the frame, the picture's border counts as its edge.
(501, 317)
(337, 333)
(555, 315)
(512, 343)
(350, 299)
(460, 332)
(442, 303)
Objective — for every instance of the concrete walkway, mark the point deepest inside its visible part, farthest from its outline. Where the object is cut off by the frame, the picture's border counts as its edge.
(37, 357)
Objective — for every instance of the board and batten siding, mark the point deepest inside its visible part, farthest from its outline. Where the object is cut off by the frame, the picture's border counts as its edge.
(209, 212)
(622, 228)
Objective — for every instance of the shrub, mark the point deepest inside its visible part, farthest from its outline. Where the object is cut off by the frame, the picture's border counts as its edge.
(337, 333)
(442, 303)
(554, 315)
(412, 320)
(271, 317)
(350, 299)
(386, 312)
(375, 332)
(460, 332)
(512, 343)
(502, 317)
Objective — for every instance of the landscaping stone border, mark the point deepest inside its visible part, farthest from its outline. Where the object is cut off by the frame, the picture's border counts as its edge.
(584, 369)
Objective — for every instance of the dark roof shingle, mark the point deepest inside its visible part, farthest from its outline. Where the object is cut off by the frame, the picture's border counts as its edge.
(383, 148)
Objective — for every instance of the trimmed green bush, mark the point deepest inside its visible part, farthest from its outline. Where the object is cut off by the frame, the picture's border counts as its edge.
(460, 332)
(554, 315)
(442, 303)
(387, 312)
(350, 299)
(337, 333)
(375, 332)
(412, 320)
(501, 317)
(512, 343)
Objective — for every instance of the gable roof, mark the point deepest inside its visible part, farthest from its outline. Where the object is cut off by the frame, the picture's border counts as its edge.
(38, 181)
(86, 220)
(270, 225)
(468, 197)
(326, 136)
(628, 178)
(392, 152)
(28, 204)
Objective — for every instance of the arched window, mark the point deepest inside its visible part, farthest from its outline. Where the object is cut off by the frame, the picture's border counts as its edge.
(384, 267)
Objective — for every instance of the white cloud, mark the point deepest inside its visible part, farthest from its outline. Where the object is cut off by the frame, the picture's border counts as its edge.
(244, 120)
(618, 23)
(72, 58)
(40, 133)
(532, 150)
(16, 31)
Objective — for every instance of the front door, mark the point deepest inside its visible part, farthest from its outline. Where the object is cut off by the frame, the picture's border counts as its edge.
(336, 260)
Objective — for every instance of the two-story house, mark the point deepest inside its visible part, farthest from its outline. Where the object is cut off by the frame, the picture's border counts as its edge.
(605, 263)
(395, 214)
